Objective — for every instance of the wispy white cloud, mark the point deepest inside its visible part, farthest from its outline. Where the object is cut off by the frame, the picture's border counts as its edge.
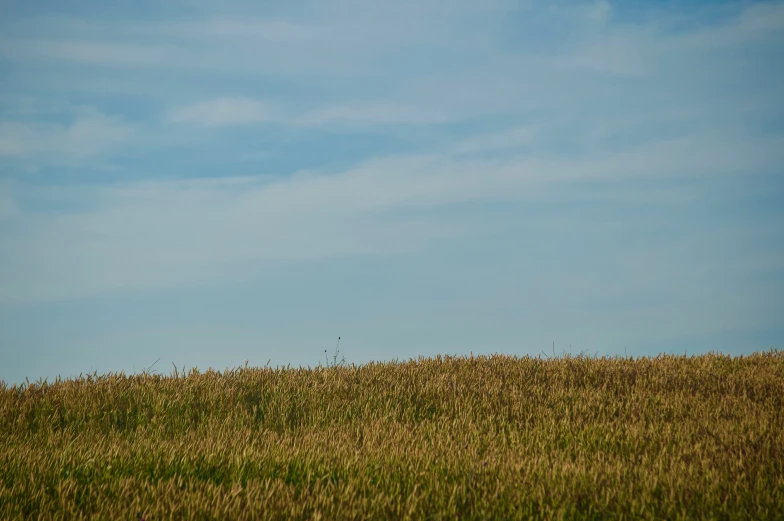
(230, 111)
(8, 208)
(278, 31)
(623, 53)
(512, 139)
(756, 23)
(410, 64)
(645, 50)
(225, 111)
(153, 234)
(89, 134)
(442, 81)
(377, 113)
(468, 79)
(599, 12)
(102, 53)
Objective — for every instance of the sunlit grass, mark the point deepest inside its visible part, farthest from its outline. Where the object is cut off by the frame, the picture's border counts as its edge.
(445, 438)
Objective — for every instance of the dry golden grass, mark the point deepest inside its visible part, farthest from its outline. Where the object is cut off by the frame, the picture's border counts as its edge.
(444, 438)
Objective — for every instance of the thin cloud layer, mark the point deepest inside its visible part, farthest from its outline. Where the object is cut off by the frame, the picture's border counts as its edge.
(84, 136)
(158, 234)
(224, 111)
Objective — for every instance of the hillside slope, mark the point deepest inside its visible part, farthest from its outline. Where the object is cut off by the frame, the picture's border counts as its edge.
(444, 438)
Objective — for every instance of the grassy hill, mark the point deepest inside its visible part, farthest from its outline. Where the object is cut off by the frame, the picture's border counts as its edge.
(445, 438)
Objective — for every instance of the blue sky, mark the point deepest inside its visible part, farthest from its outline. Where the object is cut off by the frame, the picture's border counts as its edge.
(213, 182)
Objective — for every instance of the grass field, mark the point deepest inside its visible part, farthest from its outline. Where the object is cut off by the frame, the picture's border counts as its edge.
(447, 438)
